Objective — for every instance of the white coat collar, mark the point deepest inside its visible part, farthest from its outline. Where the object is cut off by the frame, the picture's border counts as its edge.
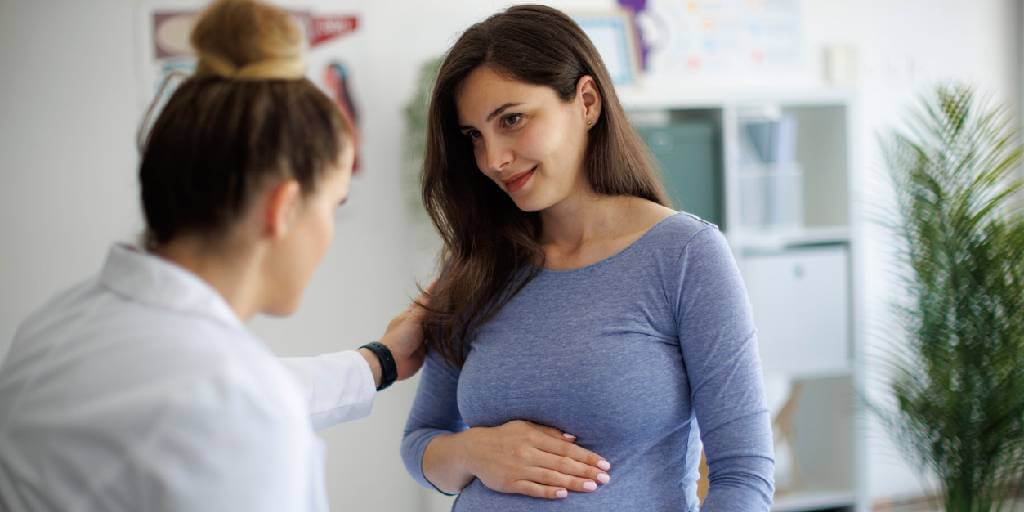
(152, 280)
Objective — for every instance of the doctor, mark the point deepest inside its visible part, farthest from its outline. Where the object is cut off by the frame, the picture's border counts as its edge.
(141, 389)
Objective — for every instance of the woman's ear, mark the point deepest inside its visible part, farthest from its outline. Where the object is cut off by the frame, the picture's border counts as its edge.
(590, 99)
(280, 208)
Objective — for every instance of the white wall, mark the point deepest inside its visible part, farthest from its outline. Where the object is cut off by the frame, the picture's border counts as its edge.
(68, 116)
(67, 158)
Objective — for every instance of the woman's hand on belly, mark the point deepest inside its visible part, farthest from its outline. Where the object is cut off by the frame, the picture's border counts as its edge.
(525, 458)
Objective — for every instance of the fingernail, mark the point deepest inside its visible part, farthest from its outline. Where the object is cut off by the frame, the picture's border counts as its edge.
(589, 486)
(603, 464)
(569, 437)
(561, 493)
(603, 478)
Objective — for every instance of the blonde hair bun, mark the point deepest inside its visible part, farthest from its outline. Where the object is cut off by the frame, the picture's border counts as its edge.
(248, 40)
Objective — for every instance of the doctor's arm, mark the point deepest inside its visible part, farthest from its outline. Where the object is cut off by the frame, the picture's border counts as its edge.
(340, 386)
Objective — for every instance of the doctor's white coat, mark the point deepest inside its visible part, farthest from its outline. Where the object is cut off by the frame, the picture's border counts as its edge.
(140, 390)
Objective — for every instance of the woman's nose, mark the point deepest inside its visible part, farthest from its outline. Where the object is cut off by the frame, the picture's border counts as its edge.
(497, 156)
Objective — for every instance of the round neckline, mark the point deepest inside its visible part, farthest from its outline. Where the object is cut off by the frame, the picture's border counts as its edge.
(625, 250)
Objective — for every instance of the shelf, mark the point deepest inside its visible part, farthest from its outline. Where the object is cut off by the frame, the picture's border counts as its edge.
(813, 500)
(661, 96)
(822, 373)
(751, 239)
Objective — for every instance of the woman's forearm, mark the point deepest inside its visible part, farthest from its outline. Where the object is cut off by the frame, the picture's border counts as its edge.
(446, 461)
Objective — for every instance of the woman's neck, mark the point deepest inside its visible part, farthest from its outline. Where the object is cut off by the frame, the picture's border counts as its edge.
(583, 218)
(232, 271)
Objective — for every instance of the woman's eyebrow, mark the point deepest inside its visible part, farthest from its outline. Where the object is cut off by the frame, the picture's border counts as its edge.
(490, 116)
(501, 109)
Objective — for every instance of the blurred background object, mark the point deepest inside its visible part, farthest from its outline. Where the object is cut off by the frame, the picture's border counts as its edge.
(338, 85)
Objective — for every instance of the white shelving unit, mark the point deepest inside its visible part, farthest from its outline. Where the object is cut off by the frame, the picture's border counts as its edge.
(802, 275)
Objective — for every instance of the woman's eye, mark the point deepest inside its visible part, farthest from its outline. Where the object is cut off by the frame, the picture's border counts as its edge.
(511, 120)
(472, 135)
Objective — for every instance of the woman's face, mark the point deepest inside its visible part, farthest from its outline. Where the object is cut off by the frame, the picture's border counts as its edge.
(525, 139)
(309, 236)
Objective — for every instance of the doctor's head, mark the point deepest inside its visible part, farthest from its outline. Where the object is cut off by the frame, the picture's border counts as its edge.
(248, 160)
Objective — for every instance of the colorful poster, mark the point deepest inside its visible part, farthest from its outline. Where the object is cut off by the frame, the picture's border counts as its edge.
(717, 37)
(168, 57)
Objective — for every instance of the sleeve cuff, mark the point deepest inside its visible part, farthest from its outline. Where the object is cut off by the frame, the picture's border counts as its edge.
(339, 386)
(722, 498)
(414, 446)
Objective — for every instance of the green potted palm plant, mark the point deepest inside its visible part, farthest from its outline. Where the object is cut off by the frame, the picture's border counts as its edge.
(956, 375)
(414, 137)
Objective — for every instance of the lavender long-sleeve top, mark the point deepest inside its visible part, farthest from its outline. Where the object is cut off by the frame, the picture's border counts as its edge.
(629, 354)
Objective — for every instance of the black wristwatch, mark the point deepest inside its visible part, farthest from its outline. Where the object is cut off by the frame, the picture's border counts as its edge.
(388, 368)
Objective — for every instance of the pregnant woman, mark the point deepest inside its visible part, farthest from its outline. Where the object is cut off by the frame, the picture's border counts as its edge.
(586, 341)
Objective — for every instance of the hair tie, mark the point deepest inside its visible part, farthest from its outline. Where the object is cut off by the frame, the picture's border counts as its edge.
(289, 68)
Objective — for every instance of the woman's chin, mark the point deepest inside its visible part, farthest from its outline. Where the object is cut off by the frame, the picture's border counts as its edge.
(530, 201)
(526, 205)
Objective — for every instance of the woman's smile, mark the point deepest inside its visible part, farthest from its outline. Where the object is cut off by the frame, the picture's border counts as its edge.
(518, 181)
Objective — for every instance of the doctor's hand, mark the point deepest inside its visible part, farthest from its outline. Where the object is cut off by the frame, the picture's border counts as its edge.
(404, 337)
(525, 458)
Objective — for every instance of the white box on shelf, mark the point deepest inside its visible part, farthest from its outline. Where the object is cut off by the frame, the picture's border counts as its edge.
(800, 299)
(771, 196)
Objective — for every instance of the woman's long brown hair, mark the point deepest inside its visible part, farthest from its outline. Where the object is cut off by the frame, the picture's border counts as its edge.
(491, 248)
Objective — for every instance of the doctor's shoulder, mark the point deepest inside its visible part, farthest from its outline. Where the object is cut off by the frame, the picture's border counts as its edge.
(175, 403)
(56, 307)
(89, 334)
(92, 345)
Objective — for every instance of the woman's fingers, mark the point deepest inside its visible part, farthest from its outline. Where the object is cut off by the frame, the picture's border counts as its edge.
(417, 307)
(535, 460)
(536, 490)
(557, 434)
(573, 468)
(568, 449)
(555, 478)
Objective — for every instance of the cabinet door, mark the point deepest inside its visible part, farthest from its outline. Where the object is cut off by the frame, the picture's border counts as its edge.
(800, 299)
(687, 153)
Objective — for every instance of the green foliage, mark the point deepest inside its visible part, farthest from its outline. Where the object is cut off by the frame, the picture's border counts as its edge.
(415, 135)
(958, 381)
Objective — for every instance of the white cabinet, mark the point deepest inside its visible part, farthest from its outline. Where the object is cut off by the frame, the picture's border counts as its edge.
(801, 308)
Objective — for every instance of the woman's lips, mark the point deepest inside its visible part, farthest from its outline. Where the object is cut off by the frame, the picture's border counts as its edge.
(518, 181)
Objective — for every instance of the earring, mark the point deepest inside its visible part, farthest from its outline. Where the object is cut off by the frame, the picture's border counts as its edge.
(590, 123)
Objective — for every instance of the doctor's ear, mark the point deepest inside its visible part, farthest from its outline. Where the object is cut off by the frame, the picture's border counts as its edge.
(280, 207)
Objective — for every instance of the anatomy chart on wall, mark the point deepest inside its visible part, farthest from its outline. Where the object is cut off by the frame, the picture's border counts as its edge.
(717, 37)
(166, 56)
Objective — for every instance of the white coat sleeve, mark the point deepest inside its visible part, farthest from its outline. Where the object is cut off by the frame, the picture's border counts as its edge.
(339, 386)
